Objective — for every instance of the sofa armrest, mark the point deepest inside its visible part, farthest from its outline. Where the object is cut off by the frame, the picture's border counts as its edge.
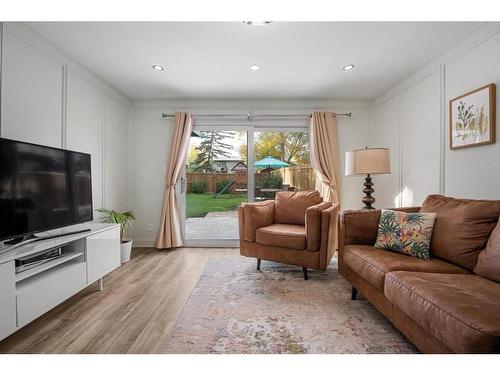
(361, 226)
(254, 216)
(358, 227)
(328, 242)
(313, 225)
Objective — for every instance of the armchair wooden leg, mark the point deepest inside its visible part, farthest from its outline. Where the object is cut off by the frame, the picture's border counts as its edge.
(354, 293)
(258, 264)
(304, 270)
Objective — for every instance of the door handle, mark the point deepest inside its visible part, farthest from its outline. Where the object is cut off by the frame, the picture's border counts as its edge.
(183, 185)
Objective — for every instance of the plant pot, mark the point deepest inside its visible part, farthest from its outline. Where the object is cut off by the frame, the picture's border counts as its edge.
(126, 249)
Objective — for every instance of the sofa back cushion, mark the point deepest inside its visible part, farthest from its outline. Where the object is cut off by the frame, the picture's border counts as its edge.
(488, 260)
(290, 206)
(462, 227)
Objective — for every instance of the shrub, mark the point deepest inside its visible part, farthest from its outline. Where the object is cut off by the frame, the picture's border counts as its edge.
(271, 181)
(199, 187)
(219, 185)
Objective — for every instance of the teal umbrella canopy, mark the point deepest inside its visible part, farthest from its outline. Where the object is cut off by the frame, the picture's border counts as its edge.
(270, 162)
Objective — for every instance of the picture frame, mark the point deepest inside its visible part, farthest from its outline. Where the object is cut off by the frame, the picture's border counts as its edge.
(472, 119)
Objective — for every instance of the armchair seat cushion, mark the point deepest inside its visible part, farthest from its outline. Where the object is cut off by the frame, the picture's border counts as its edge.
(463, 311)
(372, 264)
(282, 235)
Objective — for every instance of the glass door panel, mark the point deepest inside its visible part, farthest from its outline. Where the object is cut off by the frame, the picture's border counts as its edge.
(216, 183)
(282, 162)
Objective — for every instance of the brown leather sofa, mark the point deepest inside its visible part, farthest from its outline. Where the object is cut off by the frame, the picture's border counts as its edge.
(448, 304)
(293, 229)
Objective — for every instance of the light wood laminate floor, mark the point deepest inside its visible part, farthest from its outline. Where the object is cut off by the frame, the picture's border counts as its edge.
(133, 314)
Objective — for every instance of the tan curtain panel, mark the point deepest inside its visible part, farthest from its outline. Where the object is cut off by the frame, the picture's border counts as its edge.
(169, 234)
(324, 154)
(325, 160)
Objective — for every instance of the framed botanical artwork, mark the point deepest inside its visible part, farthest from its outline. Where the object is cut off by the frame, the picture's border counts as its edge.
(472, 118)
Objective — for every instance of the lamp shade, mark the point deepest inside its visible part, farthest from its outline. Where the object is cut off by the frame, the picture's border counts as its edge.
(367, 161)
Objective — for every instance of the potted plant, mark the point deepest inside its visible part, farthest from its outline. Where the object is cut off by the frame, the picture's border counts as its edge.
(125, 220)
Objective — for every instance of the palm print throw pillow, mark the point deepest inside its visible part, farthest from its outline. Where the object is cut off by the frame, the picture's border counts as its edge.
(408, 233)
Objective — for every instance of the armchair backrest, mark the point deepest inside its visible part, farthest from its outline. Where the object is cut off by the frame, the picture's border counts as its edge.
(290, 206)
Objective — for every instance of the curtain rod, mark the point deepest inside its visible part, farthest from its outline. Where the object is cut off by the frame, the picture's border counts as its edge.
(249, 117)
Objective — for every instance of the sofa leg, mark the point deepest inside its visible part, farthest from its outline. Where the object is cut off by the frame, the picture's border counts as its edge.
(258, 264)
(354, 293)
(304, 270)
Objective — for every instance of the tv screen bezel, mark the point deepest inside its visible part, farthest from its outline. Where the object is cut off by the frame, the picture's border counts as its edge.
(23, 234)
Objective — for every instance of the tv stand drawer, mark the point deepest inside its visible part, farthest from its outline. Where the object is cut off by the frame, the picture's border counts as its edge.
(39, 294)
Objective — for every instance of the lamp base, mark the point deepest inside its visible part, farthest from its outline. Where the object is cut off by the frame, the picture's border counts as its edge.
(368, 200)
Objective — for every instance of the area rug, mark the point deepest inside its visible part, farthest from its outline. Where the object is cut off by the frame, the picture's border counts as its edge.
(236, 309)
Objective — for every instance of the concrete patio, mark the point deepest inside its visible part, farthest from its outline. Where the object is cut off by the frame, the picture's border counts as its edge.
(214, 226)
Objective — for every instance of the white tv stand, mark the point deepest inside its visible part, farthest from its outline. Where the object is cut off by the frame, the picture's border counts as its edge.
(88, 256)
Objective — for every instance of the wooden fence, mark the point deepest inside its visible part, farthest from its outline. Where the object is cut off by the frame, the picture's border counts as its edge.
(210, 179)
(299, 178)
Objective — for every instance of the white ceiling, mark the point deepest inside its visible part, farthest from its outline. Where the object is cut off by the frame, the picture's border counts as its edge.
(211, 59)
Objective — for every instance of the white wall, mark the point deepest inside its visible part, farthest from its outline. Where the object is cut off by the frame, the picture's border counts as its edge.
(412, 120)
(149, 145)
(48, 98)
(474, 172)
(84, 115)
(387, 134)
(31, 93)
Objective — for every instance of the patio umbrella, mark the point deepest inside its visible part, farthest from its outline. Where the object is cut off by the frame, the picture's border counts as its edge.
(270, 162)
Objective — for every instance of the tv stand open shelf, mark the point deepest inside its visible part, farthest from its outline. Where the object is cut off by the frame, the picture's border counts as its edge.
(86, 258)
(20, 276)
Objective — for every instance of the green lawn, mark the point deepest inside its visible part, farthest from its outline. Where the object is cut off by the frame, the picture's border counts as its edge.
(198, 205)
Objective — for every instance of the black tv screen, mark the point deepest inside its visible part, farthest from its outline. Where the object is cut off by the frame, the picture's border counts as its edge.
(42, 188)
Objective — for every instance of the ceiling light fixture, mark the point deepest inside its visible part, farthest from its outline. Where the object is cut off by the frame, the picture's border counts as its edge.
(348, 67)
(257, 23)
(254, 67)
(158, 68)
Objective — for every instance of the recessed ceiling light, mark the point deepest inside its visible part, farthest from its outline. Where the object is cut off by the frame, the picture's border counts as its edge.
(257, 23)
(348, 67)
(158, 68)
(254, 67)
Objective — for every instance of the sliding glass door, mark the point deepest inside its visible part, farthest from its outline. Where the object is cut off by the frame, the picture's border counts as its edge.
(228, 165)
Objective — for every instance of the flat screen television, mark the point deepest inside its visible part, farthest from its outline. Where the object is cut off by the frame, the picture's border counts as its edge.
(42, 188)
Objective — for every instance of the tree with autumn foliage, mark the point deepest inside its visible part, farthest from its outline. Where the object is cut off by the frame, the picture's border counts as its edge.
(290, 147)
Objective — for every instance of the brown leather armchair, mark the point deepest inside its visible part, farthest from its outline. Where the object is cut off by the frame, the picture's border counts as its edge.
(293, 229)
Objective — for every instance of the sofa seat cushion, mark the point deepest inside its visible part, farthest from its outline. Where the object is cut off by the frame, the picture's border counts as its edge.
(372, 264)
(282, 235)
(461, 310)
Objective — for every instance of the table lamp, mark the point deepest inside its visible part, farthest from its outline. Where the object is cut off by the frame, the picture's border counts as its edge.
(367, 161)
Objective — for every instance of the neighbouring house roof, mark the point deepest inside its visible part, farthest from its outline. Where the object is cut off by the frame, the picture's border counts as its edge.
(229, 159)
(239, 165)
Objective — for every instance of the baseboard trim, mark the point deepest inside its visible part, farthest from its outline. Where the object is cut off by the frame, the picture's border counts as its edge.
(143, 243)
